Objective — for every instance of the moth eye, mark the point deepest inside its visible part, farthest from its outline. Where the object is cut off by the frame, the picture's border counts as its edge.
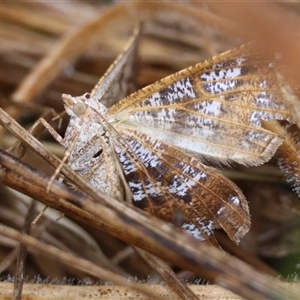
(79, 108)
(87, 96)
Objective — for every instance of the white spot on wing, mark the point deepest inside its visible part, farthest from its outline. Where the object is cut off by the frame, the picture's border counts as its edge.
(220, 210)
(234, 200)
(128, 166)
(181, 186)
(223, 79)
(192, 230)
(195, 232)
(140, 192)
(176, 91)
(211, 108)
(221, 74)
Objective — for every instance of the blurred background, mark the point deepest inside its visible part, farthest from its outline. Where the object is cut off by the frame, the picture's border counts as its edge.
(49, 48)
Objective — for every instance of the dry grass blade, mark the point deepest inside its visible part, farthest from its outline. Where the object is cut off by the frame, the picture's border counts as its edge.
(155, 236)
(41, 292)
(168, 275)
(21, 259)
(9, 259)
(245, 254)
(36, 130)
(69, 259)
(73, 45)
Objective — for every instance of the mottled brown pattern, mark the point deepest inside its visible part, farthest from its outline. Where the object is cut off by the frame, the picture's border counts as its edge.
(196, 197)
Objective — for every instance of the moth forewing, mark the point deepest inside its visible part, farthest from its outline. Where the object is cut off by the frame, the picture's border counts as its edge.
(213, 109)
(118, 81)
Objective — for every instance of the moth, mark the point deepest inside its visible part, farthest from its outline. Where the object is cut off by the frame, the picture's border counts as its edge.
(150, 147)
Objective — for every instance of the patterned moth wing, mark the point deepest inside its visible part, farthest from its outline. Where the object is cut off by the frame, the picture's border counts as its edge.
(119, 80)
(153, 140)
(178, 188)
(163, 180)
(213, 109)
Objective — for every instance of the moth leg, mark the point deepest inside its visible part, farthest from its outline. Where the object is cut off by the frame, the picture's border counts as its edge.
(18, 149)
(51, 130)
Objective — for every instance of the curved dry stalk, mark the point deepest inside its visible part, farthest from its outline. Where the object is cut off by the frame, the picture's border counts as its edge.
(78, 41)
(22, 254)
(70, 259)
(161, 239)
(168, 275)
(154, 13)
